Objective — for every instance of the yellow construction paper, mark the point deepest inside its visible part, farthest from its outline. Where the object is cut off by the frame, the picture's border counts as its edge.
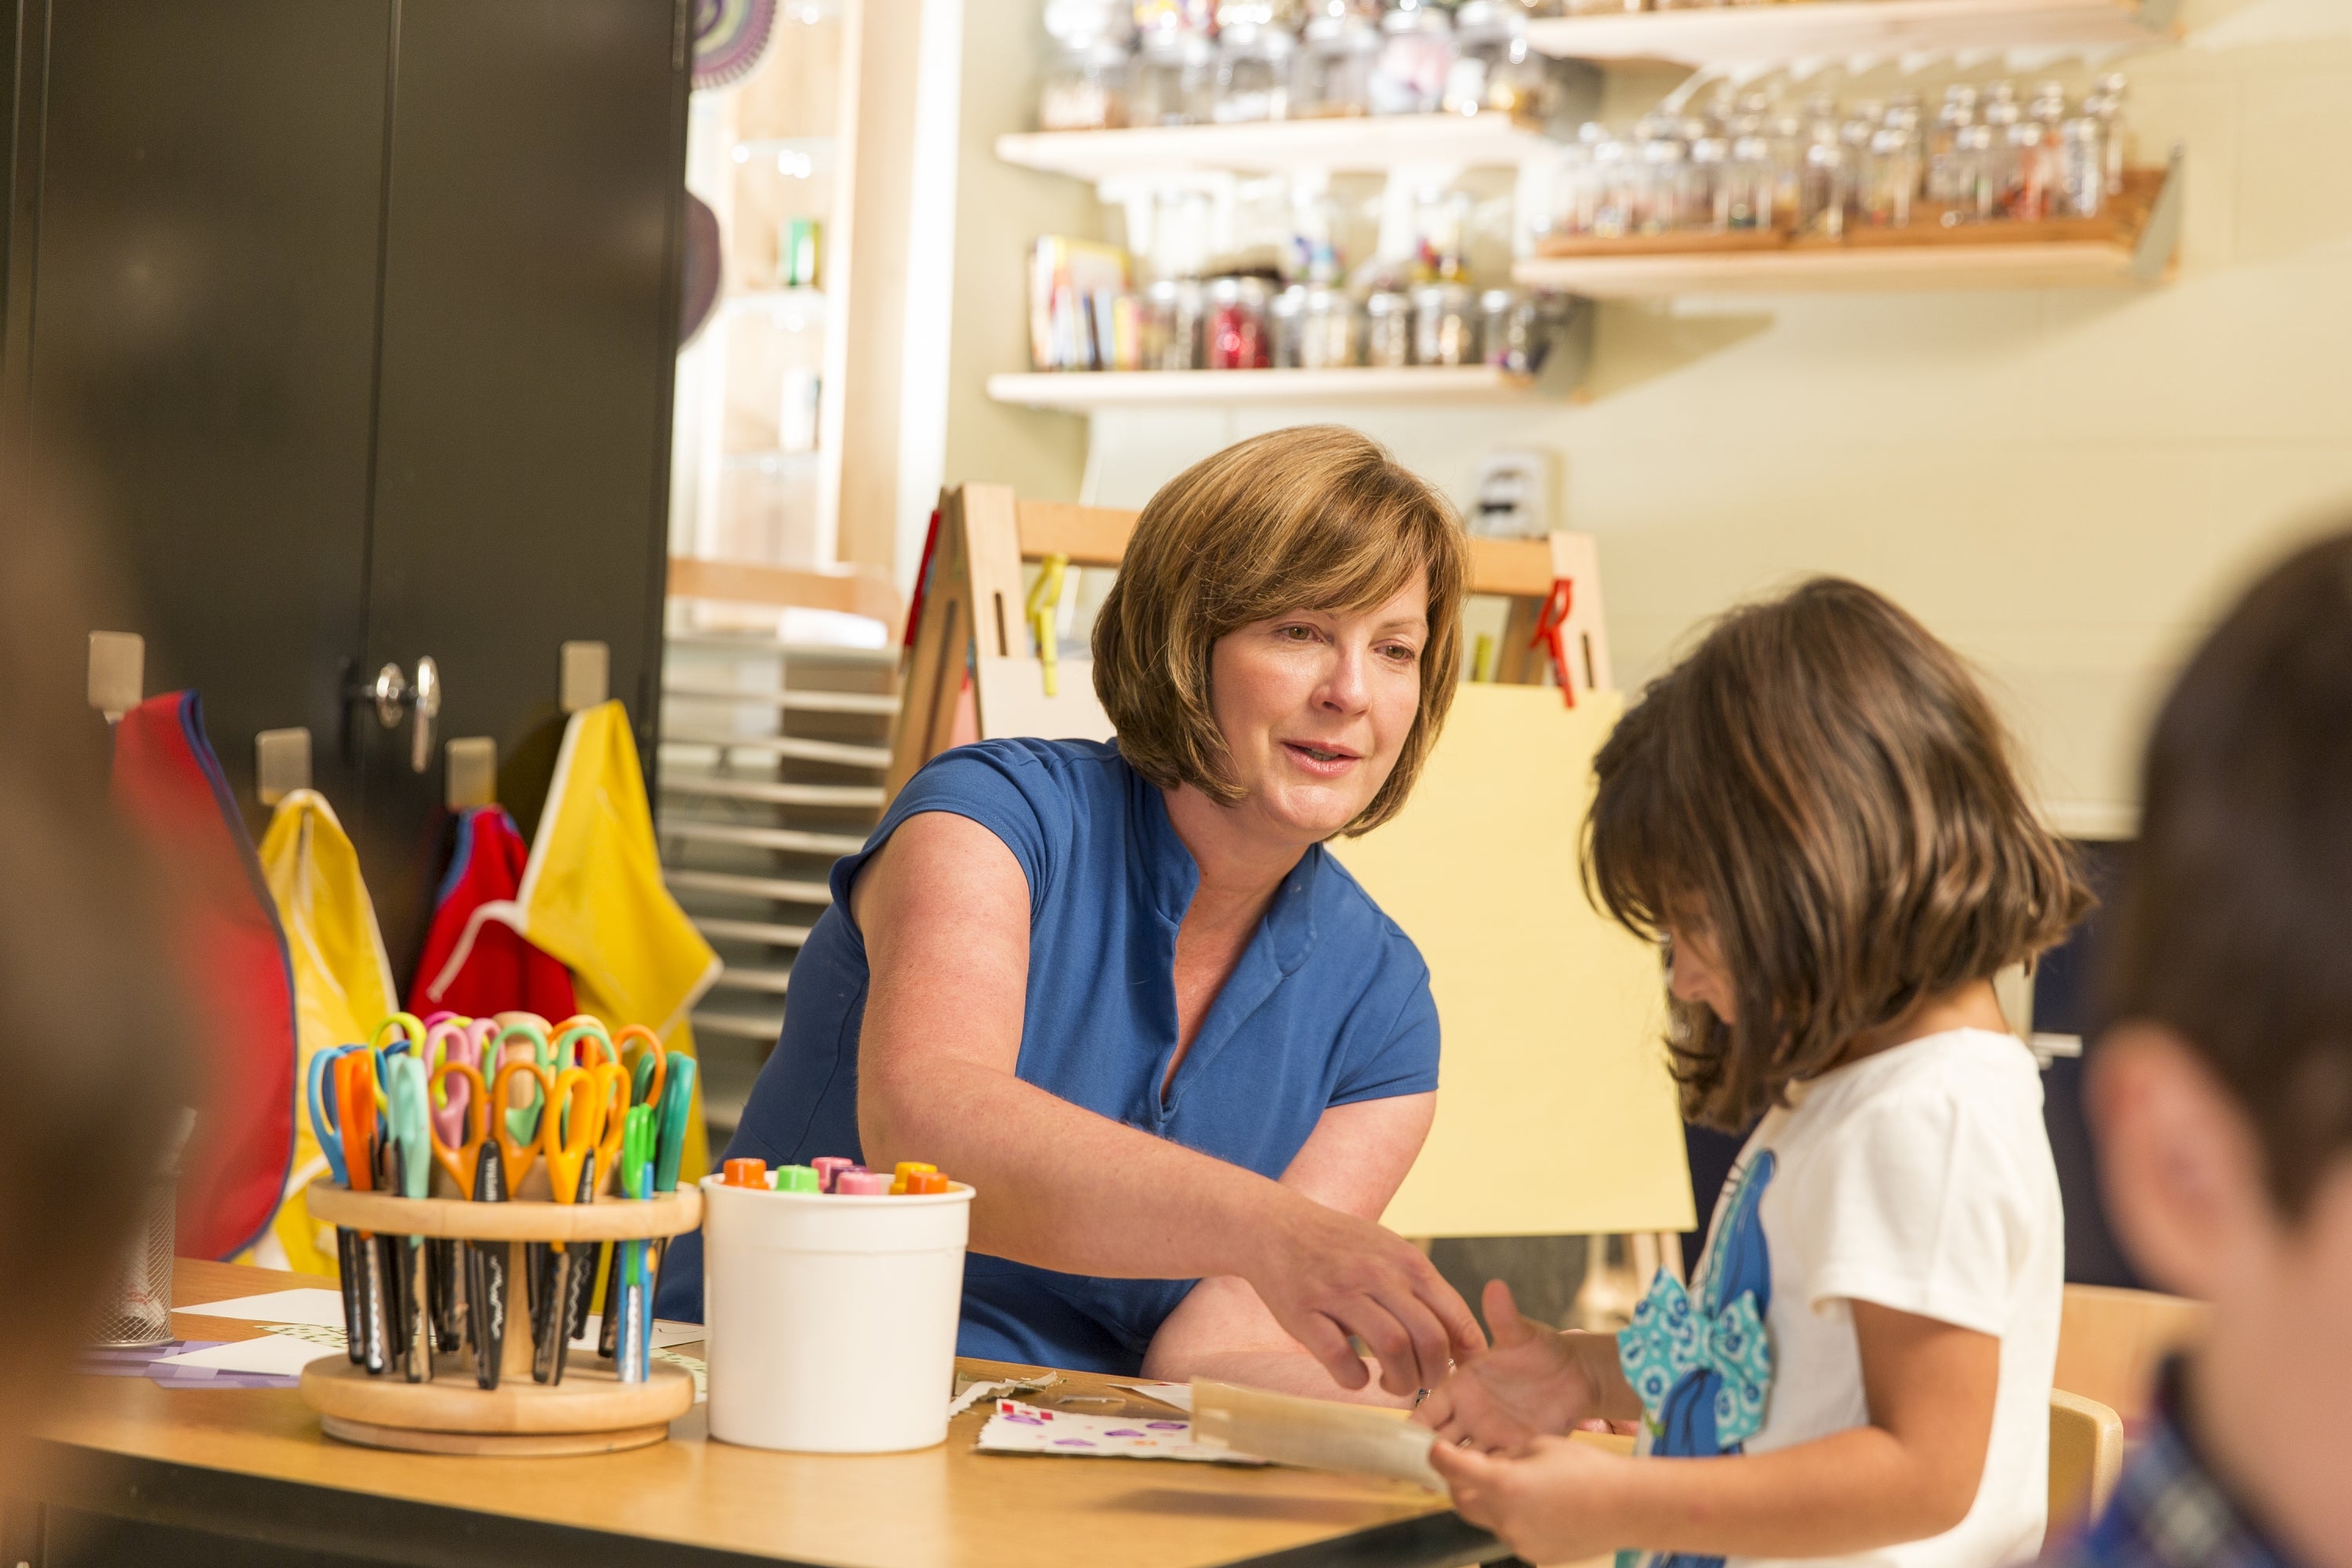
(1556, 1112)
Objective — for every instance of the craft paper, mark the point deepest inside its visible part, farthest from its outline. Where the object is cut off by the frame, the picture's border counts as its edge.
(973, 1392)
(1556, 1113)
(1179, 1394)
(322, 1308)
(1018, 1428)
(278, 1355)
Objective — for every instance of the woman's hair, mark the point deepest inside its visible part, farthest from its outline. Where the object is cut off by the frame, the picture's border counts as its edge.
(2236, 917)
(1317, 517)
(1822, 790)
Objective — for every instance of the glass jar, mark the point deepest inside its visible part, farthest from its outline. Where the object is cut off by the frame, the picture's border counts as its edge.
(1493, 69)
(1824, 206)
(1416, 54)
(1890, 179)
(1663, 203)
(2106, 106)
(1388, 330)
(2081, 167)
(1327, 328)
(1253, 74)
(1162, 18)
(1977, 176)
(1169, 325)
(2030, 173)
(1286, 323)
(1710, 183)
(1746, 198)
(1510, 332)
(1332, 74)
(1235, 336)
(1959, 111)
(1172, 80)
(1075, 24)
(1444, 325)
(1085, 89)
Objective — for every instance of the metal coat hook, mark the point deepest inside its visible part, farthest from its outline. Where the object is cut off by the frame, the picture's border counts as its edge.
(117, 672)
(587, 676)
(281, 764)
(469, 772)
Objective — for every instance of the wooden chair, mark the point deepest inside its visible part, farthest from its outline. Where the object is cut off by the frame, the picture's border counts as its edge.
(2111, 1342)
(970, 645)
(2086, 1455)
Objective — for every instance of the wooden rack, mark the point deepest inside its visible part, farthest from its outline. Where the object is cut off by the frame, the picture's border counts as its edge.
(2133, 243)
(590, 1412)
(1813, 29)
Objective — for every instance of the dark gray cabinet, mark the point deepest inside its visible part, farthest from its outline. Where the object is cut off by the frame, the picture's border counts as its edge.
(361, 315)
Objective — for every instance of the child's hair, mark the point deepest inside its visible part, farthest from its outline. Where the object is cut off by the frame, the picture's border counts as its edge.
(1822, 789)
(2235, 928)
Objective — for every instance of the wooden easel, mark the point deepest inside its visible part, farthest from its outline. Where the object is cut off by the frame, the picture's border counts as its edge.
(971, 672)
(974, 586)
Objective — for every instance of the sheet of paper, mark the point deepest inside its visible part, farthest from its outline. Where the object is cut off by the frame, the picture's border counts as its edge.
(1319, 1434)
(322, 1308)
(1179, 1394)
(973, 1392)
(1559, 1116)
(1018, 1428)
(280, 1355)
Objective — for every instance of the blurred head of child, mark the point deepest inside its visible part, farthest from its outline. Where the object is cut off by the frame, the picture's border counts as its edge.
(1816, 815)
(2222, 1095)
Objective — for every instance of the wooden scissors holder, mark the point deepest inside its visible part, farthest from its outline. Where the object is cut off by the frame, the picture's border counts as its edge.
(592, 1411)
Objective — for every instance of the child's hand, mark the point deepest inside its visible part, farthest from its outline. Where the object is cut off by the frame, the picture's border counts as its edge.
(1551, 1502)
(1530, 1384)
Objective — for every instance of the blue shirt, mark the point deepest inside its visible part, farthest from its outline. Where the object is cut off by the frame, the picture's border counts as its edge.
(1329, 1005)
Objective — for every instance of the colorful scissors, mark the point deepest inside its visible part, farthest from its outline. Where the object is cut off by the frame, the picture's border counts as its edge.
(326, 1126)
(470, 1111)
(523, 1119)
(408, 1124)
(518, 1151)
(568, 1138)
(579, 1027)
(355, 1096)
(651, 1067)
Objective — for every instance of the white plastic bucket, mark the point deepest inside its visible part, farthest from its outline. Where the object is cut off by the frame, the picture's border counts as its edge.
(831, 1321)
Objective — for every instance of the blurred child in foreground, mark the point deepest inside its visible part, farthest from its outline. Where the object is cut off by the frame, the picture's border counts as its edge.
(2221, 1096)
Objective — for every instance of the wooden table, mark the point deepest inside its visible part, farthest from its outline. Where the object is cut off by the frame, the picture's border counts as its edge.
(139, 1467)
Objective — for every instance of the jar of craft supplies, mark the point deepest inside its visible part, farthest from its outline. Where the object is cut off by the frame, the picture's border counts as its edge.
(1333, 75)
(1237, 337)
(1387, 330)
(1085, 89)
(831, 1316)
(1444, 324)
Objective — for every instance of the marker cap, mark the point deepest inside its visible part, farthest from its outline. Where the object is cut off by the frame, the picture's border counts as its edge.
(829, 1166)
(745, 1174)
(861, 1184)
(795, 1179)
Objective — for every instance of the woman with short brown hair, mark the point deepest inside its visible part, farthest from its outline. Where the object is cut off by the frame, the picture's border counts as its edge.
(1124, 992)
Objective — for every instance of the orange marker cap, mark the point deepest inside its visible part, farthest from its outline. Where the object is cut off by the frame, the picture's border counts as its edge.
(924, 1182)
(745, 1174)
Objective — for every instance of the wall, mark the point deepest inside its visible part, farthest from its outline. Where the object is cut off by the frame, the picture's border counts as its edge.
(2066, 485)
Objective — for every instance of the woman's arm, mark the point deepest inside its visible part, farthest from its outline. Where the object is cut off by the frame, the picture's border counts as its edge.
(1354, 1162)
(944, 910)
(1911, 1473)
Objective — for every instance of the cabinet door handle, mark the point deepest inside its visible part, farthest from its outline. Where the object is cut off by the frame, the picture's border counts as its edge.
(394, 696)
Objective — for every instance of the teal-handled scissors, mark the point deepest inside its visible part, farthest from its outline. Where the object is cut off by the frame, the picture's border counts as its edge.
(408, 1125)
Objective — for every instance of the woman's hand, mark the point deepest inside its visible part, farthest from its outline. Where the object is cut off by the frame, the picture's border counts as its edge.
(1536, 1382)
(1551, 1501)
(1326, 1275)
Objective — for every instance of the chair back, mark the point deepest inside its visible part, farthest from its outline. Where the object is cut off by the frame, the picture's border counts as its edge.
(2086, 1455)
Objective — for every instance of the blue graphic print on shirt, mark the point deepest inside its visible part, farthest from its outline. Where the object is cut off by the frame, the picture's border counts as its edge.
(1703, 1367)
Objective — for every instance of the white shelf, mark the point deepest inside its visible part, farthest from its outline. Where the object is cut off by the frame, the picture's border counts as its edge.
(789, 307)
(1082, 391)
(1833, 29)
(1354, 145)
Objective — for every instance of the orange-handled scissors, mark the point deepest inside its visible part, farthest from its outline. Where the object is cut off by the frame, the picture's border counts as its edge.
(575, 1125)
(516, 1154)
(460, 1160)
(612, 1084)
(649, 1089)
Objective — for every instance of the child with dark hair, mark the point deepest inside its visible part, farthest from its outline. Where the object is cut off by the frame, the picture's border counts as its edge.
(1816, 816)
(2221, 1096)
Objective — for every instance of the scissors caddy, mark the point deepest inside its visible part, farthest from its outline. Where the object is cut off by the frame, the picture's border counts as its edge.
(590, 1411)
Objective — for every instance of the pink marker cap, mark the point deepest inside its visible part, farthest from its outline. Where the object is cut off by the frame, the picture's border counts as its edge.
(861, 1183)
(829, 1166)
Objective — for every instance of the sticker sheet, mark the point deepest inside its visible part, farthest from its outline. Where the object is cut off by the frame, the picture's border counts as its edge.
(1018, 1428)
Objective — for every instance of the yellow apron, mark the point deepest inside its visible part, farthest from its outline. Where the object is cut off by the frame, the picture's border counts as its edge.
(342, 990)
(592, 898)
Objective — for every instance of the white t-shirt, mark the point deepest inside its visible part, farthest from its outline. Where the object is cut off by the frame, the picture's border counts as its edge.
(1919, 1179)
